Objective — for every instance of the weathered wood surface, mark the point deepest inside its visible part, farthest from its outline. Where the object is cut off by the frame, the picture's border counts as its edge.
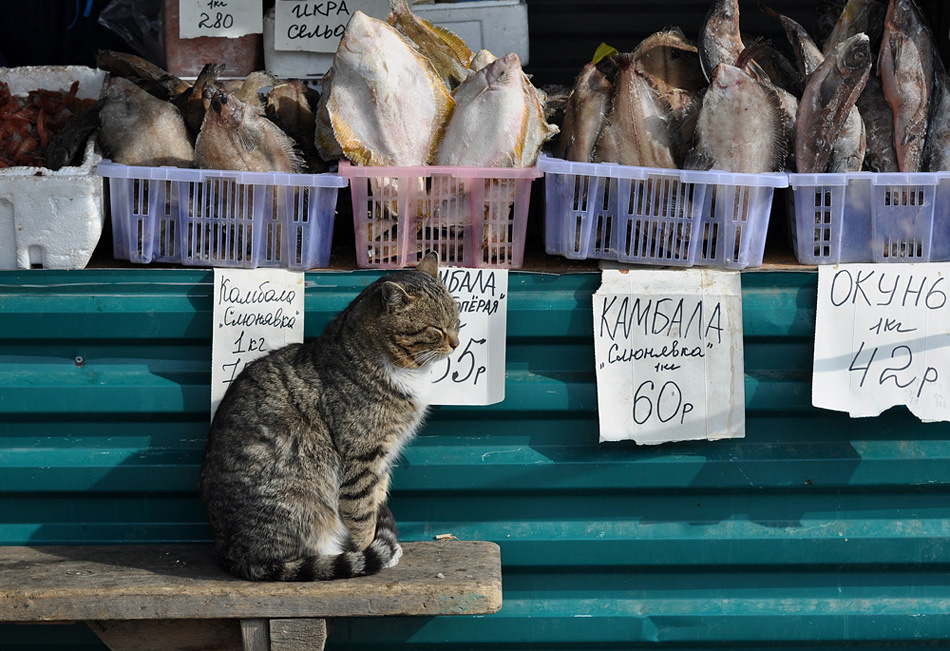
(40, 584)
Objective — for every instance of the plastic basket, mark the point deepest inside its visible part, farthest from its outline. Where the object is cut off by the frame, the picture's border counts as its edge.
(473, 217)
(221, 218)
(869, 217)
(645, 215)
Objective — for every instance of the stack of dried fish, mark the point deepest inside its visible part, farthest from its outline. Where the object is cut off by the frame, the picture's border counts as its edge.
(739, 105)
(150, 117)
(406, 93)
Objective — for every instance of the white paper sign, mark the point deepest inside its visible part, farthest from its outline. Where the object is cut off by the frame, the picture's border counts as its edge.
(228, 18)
(317, 25)
(255, 312)
(882, 338)
(475, 373)
(669, 356)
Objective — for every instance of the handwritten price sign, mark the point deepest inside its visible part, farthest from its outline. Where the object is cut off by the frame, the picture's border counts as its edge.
(669, 356)
(256, 311)
(882, 338)
(317, 25)
(475, 373)
(228, 18)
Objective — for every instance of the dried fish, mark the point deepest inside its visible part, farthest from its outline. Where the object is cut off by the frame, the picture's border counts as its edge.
(637, 127)
(742, 125)
(481, 59)
(880, 156)
(68, 146)
(584, 115)
(719, 37)
(236, 136)
(808, 55)
(137, 128)
(192, 102)
(857, 17)
(829, 96)
(448, 53)
(671, 64)
(157, 81)
(291, 106)
(254, 88)
(386, 105)
(493, 119)
(905, 64)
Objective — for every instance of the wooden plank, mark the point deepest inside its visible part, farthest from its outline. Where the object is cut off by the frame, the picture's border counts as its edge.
(183, 582)
(298, 634)
(255, 634)
(169, 634)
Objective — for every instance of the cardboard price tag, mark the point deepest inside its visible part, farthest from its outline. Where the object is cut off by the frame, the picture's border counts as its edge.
(255, 312)
(228, 18)
(317, 25)
(669, 356)
(882, 338)
(475, 373)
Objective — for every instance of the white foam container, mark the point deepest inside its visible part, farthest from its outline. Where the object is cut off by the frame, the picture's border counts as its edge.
(500, 26)
(51, 219)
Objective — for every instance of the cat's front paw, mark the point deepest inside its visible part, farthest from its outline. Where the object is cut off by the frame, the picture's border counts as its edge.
(397, 554)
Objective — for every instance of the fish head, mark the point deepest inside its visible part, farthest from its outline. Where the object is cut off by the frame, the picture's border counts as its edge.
(723, 16)
(853, 54)
(223, 106)
(361, 33)
(504, 72)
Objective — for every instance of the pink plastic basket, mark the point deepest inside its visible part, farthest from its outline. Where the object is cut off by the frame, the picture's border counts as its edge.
(473, 216)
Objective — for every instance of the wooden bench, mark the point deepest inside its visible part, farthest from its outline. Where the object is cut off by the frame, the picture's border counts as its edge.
(172, 596)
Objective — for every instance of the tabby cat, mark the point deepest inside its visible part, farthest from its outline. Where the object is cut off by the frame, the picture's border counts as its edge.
(297, 465)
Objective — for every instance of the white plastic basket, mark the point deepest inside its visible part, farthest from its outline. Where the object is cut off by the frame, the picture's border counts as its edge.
(869, 217)
(644, 215)
(221, 218)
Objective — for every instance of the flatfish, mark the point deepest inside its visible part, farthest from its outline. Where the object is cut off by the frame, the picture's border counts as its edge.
(448, 52)
(637, 127)
(584, 114)
(237, 136)
(137, 128)
(386, 104)
(830, 94)
(491, 121)
(742, 125)
(905, 64)
(670, 62)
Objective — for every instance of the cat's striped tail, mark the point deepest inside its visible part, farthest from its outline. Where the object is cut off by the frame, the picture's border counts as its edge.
(384, 552)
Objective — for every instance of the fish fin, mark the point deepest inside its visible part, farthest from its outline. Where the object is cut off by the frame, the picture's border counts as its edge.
(454, 41)
(698, 159)
(350, 144)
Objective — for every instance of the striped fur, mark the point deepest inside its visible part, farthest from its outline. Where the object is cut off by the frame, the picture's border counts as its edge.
(297, 466)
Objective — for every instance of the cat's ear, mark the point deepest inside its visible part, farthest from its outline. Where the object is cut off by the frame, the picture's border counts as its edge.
(394, 295)
(430, 264)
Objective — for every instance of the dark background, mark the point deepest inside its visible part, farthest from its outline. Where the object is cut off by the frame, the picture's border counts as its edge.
(563, 33)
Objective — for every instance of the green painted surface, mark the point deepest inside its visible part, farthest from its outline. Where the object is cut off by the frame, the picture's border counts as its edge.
(814, 530)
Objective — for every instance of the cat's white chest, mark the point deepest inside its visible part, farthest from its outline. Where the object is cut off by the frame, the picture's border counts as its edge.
(416, 382)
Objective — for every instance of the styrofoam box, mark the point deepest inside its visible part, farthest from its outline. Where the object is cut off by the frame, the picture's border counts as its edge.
(51, 219)
(644, 215)
(472, 216)
(221, 218)
(499, 26)
(869, 217)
